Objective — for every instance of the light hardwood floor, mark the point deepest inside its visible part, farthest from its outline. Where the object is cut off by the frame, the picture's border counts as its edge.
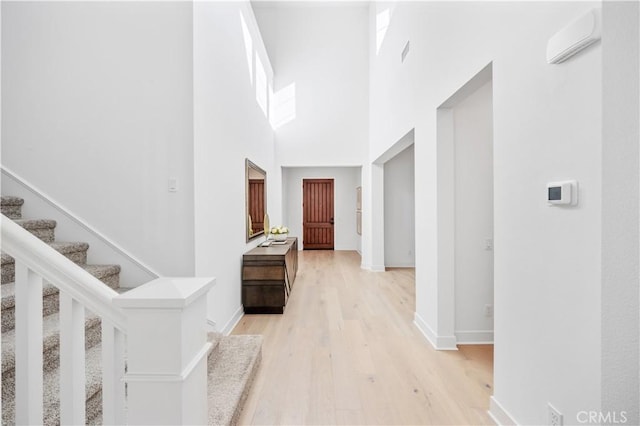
(346, 352)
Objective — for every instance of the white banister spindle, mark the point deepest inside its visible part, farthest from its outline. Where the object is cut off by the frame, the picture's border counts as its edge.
(113, 397)
(72, 361)
(0, 364)
(28, 352)
(167, 351)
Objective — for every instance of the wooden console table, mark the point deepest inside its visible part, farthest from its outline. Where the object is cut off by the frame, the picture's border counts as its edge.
(268, 274)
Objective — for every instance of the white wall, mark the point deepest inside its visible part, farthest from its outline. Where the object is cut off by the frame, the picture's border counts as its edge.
(473, 188)
(547, 126)
(346, 180)
(229, 127)
(399, 210)
(620, 216)
(97, 114)
(322, 49)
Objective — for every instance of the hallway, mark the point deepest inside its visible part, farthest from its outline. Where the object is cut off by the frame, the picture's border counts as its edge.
(346, 352)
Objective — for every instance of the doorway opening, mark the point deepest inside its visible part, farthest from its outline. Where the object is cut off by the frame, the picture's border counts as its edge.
(399, 210)
(318, 214)
(393, 206)
(465, 212)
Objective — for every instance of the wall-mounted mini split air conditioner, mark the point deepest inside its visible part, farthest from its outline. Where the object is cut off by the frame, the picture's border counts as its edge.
(575, 37)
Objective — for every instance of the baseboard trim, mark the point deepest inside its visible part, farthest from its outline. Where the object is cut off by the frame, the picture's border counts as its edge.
(372, 268)
(231, 324)
(401, 265)
(66, 212)
(499, 414)
(474, 337)
(441, 343)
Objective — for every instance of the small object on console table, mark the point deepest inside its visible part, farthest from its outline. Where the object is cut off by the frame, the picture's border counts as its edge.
(267, 276)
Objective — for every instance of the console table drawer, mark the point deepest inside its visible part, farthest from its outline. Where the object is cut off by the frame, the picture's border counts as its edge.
(264, 298)
(263, 272)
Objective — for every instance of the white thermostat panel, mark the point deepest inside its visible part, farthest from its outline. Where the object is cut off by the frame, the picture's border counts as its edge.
(565, 192)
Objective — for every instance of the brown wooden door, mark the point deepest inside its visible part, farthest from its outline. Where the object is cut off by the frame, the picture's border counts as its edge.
(317, 216)
(256, 204)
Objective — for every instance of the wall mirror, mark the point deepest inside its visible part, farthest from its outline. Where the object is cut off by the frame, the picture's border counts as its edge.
(256, 199)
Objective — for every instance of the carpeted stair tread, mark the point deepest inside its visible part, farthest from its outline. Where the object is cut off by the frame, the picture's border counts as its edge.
(7, 259)
(36, 223)
(51, 382)
(11, 207)
(10, 200)
(60, 246)
(74, 251)
(108, 274)
(50, 338)
(66, 247)
(41, 228)
(230, 374)
(101, 271)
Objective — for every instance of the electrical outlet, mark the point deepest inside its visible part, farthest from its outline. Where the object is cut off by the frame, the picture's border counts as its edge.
(173, 184)
(555, 418)
(488, 311)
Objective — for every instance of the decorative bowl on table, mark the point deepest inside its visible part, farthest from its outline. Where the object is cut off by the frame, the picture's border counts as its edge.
(279, 233)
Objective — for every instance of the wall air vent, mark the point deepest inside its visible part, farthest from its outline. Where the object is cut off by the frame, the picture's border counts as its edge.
(573, 38)
(405, 51)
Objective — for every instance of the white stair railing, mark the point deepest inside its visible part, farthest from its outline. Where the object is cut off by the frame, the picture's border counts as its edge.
(78, 290)
(163, 320)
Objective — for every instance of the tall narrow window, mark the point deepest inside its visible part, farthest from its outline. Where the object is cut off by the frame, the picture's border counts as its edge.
(261, 85)
(248, 46)
(382, 24)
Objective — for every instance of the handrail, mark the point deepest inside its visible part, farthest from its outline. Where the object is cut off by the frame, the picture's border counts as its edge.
(62, 272)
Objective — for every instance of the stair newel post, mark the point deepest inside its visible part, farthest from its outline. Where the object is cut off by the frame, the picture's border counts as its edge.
(28, 355)
(167, 351)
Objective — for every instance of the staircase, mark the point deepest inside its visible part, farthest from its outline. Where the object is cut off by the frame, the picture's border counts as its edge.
(231, 364)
